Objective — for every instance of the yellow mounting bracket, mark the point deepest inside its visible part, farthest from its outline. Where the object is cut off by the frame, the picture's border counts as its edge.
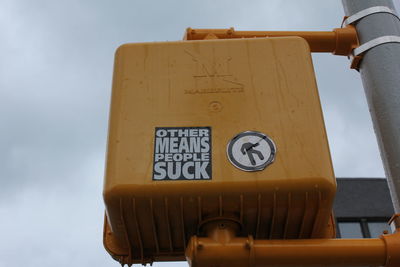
(339, 41)
(221, 247)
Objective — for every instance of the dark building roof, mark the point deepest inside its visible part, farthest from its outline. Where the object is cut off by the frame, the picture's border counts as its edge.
(362, 197)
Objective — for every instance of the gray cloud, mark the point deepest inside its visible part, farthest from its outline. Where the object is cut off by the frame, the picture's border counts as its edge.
(55, 80)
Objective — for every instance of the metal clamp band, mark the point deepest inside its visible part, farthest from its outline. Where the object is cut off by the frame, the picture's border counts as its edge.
(368, 11)
(375, 42)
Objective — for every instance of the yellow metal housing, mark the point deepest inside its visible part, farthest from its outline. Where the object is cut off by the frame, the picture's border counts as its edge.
(265, 85)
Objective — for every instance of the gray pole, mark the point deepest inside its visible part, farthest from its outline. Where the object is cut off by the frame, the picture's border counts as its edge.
(380, 73)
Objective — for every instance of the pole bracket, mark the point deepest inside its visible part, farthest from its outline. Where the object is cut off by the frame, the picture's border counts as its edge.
(375, 42)
(358, 52)
(369, 11)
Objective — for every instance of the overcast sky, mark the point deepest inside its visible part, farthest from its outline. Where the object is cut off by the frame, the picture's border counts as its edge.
(56, 60)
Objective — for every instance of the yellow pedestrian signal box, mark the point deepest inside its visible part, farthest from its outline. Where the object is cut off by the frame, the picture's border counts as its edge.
(215, 130)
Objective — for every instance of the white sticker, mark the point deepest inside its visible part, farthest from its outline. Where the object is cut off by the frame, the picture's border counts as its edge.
(251, 151)
(182, 153)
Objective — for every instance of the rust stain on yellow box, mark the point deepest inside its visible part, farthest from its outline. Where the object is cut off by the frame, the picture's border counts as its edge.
(227, 86)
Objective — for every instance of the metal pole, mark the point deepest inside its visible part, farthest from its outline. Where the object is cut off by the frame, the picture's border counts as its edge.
(380, 73)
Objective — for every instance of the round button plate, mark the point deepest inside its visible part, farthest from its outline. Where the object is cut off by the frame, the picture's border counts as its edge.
(251, 151)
